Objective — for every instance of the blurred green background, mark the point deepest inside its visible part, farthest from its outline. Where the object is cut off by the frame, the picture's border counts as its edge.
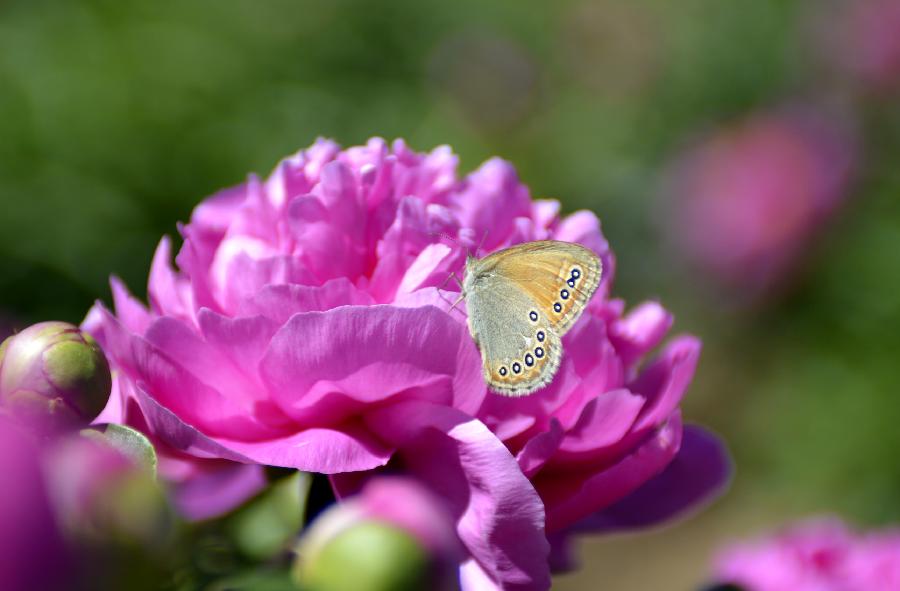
(117, 117)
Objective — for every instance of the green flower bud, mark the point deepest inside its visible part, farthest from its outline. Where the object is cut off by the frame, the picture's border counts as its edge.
(394, 535)
(367, 556)
(53, 376)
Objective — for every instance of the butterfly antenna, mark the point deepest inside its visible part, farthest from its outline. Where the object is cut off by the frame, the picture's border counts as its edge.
(447, 236)
(481, 242)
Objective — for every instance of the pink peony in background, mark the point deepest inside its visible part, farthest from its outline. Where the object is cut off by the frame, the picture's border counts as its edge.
(745, 202)
(816, 555)
(306, 327)
(860, 38)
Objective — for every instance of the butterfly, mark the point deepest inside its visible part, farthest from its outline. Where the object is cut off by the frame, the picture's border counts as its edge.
(521, 300)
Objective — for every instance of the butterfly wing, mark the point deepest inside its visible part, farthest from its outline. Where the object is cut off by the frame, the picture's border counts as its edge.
(559, 277)
(519, 350)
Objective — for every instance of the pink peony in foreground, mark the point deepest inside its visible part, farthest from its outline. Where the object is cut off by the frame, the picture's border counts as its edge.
(816, 555)
(744, 203)
(306, 327)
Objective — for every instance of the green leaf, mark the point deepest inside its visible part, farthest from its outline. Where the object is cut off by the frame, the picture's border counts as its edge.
(269, 523)
(130, 442)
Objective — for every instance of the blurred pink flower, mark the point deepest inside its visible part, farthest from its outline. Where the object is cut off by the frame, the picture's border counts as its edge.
(860, 37)
(32, 552)
(65, 503)
(745, 202)
(816, 555)
(307, 328)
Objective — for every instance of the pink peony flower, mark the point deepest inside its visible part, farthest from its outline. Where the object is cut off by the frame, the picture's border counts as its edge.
(745, 202)
(816, 555)
(308, 327)
(860, 37)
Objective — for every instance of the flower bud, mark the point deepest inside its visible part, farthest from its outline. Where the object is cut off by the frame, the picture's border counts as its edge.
(394, 535)
(54, 376)
(102, 493)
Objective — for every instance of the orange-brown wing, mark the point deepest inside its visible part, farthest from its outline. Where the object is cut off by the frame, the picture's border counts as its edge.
(560, 277)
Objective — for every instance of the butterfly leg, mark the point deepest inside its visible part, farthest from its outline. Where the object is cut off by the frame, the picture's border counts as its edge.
(461, 297)
(462, 294)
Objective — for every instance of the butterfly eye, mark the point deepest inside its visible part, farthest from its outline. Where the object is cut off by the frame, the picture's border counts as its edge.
(540, 336)
(557, 307)
(502, 371)
(529, 360)
(564, 294)
(517, 367)
(539, 352)
(576, 273)
(533, 315)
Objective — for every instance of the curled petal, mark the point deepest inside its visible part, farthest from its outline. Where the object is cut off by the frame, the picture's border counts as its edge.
(666, 380)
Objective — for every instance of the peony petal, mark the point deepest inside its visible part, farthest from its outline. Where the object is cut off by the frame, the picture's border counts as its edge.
(132, 313)
(114, 411)
(666, 380)
(562, 553)
(212, 217)
(171, 430)
(206, 361)
(698, 474)
(346, 448)
(640, 331)
(434, 266)
(238, 345)
(211, 488)
(280, 302)
(288, 180)
(492, 199)
(325, 366)
(545, 212)
(430, 176)
(415, 226)
(569, 495)
(189, 260)
(605, 421)
(312, 450)
(323, 247)
(173, 386)
(540, 449)
(499, 515)
(338, 192)
(167, 293)
(583, 227)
